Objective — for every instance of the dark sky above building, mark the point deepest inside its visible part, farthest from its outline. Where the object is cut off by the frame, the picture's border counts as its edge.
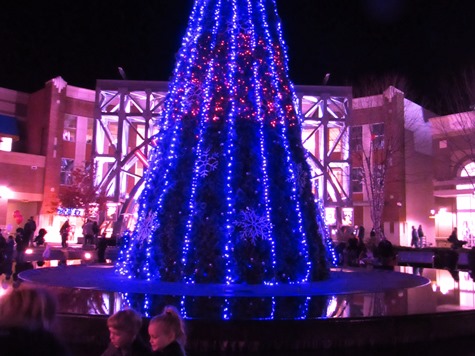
(428, 42)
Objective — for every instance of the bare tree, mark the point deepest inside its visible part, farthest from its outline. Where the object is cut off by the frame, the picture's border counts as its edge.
(381, 158)
(376, 158)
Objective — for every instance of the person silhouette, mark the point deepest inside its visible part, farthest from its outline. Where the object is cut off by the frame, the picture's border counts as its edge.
(455, 242)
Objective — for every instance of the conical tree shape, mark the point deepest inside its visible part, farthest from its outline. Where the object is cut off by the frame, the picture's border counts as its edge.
(227, 197)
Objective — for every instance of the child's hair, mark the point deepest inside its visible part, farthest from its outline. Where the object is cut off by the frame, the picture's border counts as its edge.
(31, 307)
(172, 321)
(127, 320)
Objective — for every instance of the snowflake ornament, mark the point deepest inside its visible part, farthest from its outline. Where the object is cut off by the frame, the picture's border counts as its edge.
(241, 25)
(244, 25)
(146, 227)
(253, 227)
(206, 163)
(192, 94)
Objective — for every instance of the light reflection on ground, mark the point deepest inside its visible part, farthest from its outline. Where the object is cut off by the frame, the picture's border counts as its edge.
(442, 294)
(449, 294)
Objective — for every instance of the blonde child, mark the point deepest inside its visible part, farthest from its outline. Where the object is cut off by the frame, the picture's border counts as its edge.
(124, 327)
(167, 333)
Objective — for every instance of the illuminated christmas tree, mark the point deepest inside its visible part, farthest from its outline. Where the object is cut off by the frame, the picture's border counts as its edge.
(227, 197)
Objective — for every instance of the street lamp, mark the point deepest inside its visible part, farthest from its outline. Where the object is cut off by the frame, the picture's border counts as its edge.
(5, 192)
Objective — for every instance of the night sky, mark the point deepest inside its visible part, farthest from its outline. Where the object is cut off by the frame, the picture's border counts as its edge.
(430, 43)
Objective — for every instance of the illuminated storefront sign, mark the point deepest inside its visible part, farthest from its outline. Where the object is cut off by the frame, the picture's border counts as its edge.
(330, 216)
(347, 216)
(70, 212)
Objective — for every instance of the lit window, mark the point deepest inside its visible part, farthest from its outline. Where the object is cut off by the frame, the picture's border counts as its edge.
(357, 176)
(377, 136)
(67, 165)
(6, 144)
(90, 129)
(334, 139)
(69, 131)
(356, 138)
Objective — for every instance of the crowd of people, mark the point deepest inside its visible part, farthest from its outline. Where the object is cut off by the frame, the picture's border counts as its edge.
(353, 250)
(14, 245)
(28, 326)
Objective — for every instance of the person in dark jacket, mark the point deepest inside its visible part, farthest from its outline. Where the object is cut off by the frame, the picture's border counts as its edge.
(101, 248)
(21, 245)
(453, 239)
(64, 231)
(8, 252)
(29, 231)
(415, 238)
(40, 238)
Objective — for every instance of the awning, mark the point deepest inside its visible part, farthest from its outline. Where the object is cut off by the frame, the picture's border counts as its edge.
(9, 127)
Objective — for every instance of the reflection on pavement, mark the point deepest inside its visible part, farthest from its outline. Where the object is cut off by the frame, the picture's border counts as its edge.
(444, 294)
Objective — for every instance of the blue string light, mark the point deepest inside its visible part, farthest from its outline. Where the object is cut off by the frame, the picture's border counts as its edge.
(262, 145)
(229, 154)
(278, 89)
(205, 112)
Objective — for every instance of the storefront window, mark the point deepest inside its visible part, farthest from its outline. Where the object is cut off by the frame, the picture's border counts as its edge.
(67, 165)
(466, 208)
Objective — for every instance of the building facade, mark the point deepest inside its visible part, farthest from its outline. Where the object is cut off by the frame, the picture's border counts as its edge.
(55, 127)
(454, 176)
(391, 155)
(60, 127)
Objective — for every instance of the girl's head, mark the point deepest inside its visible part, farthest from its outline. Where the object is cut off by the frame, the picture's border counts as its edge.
(124, 327)
(166, 328)
(32, 307)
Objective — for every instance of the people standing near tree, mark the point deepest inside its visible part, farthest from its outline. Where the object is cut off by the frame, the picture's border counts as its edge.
(386, 255)
(3, 245)
(88, 232)
(361, 231)
(96, 230)
(21, 245)
(40, 238)
(372, 239)
(101, 248)
(64, 231)
(3, 242)
(29, 231)
(415, 238)
(9, 251)
(420, 235)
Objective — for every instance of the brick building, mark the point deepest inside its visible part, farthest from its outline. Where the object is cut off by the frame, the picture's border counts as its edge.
(47, 133)
(54, 130)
